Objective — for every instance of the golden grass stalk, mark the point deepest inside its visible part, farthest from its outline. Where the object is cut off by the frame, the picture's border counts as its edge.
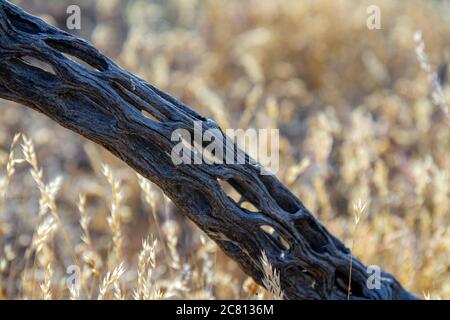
(48, 192)
(46, 285)
(85, 220)
(171, 229)
(44, 256)
(271, 278)
(114, 220)
(10, 169)
(151, 197)
(437, 93)
(110, 279)
(89, 255)
(146, 265)
(45, 231)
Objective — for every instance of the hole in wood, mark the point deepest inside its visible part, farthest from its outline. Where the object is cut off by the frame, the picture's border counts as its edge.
(249, 206)
(268, 229)
(149, 116)
(38, 64)
(85, 57)
(234, 194)
(279, 240)
(80, 62)
(229, 190)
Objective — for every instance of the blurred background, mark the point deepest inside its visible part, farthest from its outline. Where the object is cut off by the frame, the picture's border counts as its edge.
(358, 125)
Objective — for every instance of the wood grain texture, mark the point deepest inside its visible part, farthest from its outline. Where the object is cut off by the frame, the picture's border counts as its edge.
(104, 103)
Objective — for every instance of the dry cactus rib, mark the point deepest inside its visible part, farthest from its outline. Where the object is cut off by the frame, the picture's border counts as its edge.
(105, 104)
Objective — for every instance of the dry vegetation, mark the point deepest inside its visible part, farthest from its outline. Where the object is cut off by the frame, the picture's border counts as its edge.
(362, 144)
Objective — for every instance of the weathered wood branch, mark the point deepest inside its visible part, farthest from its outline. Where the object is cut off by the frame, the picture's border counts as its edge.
(105, 104)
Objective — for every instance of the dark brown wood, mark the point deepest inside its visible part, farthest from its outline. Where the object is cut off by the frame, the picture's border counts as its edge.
(105, 104)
